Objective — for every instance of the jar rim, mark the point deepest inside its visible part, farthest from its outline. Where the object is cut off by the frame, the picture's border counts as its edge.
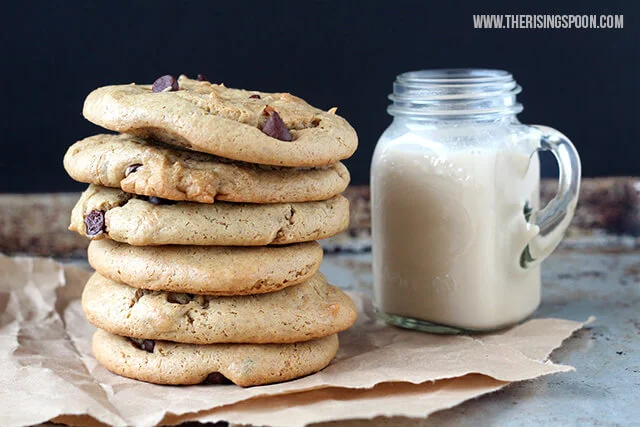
(455, 75)
(455, 92)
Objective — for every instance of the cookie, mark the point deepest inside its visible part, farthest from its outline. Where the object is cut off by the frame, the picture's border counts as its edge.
(107, 212)
(271, 128)
(214, 270)
(151, 169)
(165, 362)
(303, 312)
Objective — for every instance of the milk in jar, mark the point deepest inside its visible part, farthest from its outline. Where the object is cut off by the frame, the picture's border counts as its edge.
(457, 241)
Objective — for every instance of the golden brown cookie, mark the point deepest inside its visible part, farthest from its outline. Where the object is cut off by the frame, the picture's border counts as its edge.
(310, 310)
(165, 362)
(230, 123)
(213, 270)
(153, 169)
(107, 212)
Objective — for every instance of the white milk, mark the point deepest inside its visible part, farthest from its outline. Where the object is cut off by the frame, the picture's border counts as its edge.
(449, 230)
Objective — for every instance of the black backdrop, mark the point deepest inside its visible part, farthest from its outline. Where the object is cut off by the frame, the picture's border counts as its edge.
(332, 53)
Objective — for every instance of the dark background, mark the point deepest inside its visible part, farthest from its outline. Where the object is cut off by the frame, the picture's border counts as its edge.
(338, 53)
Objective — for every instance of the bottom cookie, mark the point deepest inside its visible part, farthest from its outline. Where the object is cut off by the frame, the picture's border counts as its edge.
(165, 362)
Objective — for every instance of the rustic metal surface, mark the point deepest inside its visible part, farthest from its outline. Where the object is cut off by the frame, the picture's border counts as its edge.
(36, 224)
(604, 390)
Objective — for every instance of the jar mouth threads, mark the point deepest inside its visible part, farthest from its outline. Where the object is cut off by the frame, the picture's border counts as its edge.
(456, 75)
(458, 93)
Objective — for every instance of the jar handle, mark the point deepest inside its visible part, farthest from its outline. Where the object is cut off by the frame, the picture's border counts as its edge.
(553, 220)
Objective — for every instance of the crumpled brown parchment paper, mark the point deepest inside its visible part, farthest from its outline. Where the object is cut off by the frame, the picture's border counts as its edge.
(48, 372)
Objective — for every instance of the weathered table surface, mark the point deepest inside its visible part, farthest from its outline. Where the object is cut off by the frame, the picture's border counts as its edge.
(604, 389)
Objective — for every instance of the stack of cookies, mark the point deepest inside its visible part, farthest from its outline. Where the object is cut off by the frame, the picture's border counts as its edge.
(204, 213)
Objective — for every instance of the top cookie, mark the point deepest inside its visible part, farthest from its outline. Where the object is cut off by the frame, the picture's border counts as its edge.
(230, 123)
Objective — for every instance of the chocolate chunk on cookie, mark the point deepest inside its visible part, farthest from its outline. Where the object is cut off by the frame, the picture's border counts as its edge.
(216, 378)
(276, 128)
(159, 201)
(142, 344)
(166, 83)
(94, 222)
(132, 169)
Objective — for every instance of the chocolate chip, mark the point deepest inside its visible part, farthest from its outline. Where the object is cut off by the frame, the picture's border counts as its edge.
(132, 168)
(146, 345)
(166, 83)
(176, 298)
(216, 378)
(94, 222)
(276, 128)
(160, 201)
(202, 78)
(255, 96)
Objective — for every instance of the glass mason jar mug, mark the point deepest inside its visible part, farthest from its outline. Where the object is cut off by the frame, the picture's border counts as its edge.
(458, 233)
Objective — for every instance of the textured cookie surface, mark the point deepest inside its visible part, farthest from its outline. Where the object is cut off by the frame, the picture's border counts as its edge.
(307, 311)
(243, 364)
(141, 223)
(214, 270)
(226, 122)
(151, 169)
